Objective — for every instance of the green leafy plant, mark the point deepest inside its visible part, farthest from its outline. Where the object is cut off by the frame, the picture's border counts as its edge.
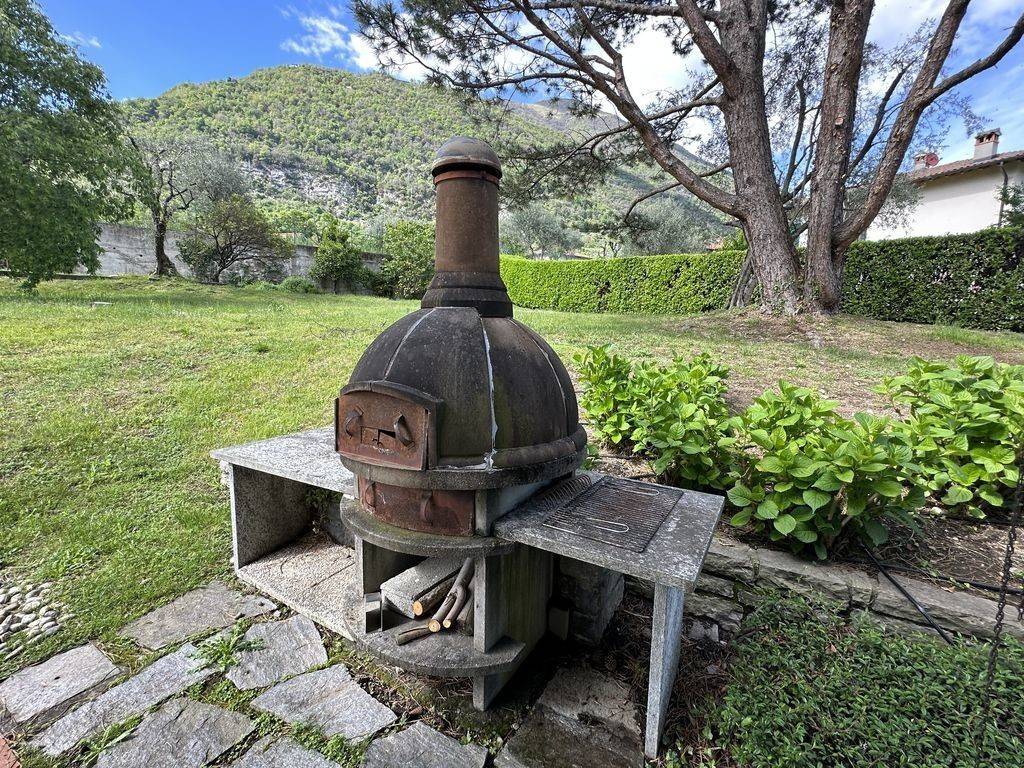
(338, 257)
(806, 475)
(809, 688)
(673, 414)
(971, 280)
(298, 284)
(222, 652)
(409, 263)
(965, 425)
(638, 285)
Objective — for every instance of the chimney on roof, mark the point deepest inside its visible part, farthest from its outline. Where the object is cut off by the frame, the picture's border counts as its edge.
(925, 160)
(986, 144)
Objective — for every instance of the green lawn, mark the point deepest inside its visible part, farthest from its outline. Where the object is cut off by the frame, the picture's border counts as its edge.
(110, 411)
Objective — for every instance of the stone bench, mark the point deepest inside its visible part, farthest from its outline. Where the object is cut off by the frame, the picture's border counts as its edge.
(275, 551)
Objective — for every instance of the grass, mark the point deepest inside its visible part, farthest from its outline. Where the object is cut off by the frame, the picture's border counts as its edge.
(110, 411)
(808, 688)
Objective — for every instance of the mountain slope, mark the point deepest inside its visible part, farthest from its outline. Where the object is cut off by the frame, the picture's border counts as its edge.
(358, 144)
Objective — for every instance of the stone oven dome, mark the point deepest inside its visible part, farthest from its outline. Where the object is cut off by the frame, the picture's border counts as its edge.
(505, 401)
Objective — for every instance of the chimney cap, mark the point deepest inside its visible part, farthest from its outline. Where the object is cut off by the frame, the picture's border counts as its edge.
(987, 134)
(463, 152)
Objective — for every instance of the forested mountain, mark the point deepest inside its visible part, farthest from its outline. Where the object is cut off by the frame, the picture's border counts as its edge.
(360, 144)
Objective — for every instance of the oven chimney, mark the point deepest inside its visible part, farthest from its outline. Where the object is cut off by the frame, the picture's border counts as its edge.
(986, 144)
(466, 174)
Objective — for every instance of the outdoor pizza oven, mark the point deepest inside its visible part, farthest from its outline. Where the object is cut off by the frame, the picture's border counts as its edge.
(458, 397)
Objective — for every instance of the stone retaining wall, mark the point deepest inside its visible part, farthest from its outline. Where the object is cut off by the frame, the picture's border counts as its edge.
(735, 573)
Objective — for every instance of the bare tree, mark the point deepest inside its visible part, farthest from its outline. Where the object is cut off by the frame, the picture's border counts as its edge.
(575, 47)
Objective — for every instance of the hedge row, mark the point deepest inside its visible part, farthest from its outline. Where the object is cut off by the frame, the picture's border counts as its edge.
(974, 280)
(684, 283)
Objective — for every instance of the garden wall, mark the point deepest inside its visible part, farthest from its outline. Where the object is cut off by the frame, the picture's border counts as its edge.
(734, 574)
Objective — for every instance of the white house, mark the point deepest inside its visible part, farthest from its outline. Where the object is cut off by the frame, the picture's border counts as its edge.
(957, 197)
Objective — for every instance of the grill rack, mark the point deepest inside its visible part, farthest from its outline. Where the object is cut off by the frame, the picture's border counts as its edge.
(622, 513)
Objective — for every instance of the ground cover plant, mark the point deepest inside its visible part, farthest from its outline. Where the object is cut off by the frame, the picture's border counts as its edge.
(114, 391)
(797, 471)
(808, 687)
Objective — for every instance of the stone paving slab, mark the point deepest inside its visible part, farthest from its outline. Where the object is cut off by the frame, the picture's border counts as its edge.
(581, 693)
(583, 719)
(181, 734)
(420, 746)
(287, 648)
(329, 699)
(547, 740)
(286, 753)
(42, 693)
(214, 606)
(306, 457)
(165, 677)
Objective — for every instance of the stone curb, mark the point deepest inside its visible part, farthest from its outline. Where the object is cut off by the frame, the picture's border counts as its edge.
(734, 571)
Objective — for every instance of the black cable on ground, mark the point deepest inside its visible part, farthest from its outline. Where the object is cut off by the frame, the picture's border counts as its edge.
(915, 569)
(913, 601)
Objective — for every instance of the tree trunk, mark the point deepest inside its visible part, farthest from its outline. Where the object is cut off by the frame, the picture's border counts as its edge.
(771, 250)
(848, 26)
(164, 266)
(774, 260)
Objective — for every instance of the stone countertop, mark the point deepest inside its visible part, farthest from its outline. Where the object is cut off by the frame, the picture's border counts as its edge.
(306, 457)
(673, 557)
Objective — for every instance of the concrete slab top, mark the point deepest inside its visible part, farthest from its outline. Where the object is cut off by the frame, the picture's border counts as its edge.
(673, 557)
(306, 457)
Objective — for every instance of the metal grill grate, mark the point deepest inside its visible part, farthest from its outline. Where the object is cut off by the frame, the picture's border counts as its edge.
(623, 513)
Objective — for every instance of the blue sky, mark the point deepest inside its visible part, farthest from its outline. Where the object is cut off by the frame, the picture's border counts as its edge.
(146, 47)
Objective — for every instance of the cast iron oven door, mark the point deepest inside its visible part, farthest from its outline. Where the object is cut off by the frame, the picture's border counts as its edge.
(447, 513)
(387, 424)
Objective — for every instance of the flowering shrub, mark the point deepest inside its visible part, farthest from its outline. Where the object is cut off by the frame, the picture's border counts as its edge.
(673, 414)
(803, 473)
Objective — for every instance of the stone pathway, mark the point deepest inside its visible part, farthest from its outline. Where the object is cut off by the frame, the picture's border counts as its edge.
(165, 677)
(181, 734)
(285, 648)
(420, 746)
(40, 694)
(214, 606)
(284, 753)
(329, 699)
(582, 719)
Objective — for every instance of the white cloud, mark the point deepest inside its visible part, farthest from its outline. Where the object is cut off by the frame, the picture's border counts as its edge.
(652, 67)
(325, 36)
(82, 40)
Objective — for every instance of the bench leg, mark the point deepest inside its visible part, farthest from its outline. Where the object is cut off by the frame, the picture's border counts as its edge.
(666, 636)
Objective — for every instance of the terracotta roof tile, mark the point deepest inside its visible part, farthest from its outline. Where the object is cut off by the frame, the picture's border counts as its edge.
(960, 166)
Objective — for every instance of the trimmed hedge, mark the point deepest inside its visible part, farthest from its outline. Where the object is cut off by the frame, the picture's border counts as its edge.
(974, 280)
(684, 283)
